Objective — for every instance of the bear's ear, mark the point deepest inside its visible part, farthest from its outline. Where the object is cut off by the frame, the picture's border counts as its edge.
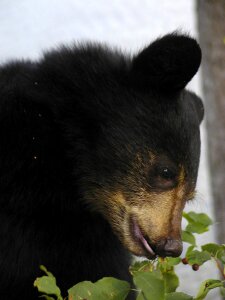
(198, 104)
(167, 64)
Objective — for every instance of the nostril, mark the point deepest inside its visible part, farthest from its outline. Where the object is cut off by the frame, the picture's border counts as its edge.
(169, 247)
(173, 247)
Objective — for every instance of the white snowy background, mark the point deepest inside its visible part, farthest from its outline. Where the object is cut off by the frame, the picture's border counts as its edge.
(27, 27)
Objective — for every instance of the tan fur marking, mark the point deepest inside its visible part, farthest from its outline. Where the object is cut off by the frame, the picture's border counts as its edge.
(178, 205)
(158, 214)
(181, 177)
(119, 198)
(152, 157)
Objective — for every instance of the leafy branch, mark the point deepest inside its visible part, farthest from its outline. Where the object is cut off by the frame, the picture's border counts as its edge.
(154, 280)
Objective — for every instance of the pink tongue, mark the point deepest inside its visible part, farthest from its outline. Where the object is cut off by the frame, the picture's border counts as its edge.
(140, 237)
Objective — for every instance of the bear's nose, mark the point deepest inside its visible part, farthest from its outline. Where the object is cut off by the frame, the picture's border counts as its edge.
(169, 247)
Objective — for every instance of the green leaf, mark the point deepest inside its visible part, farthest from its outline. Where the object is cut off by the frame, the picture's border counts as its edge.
(222, 291)
(140, 297)
(189, 250)
(171, 282)
(198, 257)
(47, 285)
(173, 261)
(44, 269)
(141, 266)
(167, 264)
(198, 218)
(151, 286)
(196, 228)
(215, 250)
(197, 222)
(188, 237)
(84, 290)
(206, 286)
(106, 288)
(178, 296)
(113, 288)
(221, 257)
(212, 248)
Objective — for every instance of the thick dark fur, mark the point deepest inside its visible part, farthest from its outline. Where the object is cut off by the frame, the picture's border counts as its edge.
(70, 123)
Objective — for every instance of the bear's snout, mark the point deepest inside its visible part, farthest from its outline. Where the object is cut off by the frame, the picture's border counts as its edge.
(169, 247)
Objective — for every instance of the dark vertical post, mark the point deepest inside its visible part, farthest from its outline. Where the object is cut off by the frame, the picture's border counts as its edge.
(211, 23)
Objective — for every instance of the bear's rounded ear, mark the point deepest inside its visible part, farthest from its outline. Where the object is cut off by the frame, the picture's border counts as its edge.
(198, 104)
(167, 64)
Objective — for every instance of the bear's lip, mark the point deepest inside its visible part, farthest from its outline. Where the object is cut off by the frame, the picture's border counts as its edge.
(138, 235)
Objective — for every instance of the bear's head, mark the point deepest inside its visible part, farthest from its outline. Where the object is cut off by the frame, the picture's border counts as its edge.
(143, 142)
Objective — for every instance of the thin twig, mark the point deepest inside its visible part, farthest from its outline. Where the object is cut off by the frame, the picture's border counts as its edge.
(219, 267)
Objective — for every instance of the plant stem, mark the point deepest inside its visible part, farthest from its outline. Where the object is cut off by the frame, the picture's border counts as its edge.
(219, 267)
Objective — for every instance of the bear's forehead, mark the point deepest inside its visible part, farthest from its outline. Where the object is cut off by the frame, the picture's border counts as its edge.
(145, 116)
(138, 129)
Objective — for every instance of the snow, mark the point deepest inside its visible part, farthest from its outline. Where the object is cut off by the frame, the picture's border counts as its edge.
(27, 27)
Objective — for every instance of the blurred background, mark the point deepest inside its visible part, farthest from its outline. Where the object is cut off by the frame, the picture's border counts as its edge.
(27, 27)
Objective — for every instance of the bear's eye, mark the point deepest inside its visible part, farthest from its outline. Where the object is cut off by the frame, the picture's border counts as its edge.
(163, 177)
(166, 173)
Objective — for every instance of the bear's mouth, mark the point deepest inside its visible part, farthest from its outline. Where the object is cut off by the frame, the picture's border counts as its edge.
(141, 239)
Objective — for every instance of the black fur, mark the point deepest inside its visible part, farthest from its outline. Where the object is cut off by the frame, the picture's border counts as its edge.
(168, 64)
(74, 121)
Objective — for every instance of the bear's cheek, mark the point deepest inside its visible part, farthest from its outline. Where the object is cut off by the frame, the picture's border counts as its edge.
(156, 215)
(159, 218)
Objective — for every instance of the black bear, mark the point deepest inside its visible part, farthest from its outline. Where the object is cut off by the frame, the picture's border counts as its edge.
(99, 152)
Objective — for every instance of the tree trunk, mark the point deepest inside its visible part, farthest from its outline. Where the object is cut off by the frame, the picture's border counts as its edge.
(211, 22)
